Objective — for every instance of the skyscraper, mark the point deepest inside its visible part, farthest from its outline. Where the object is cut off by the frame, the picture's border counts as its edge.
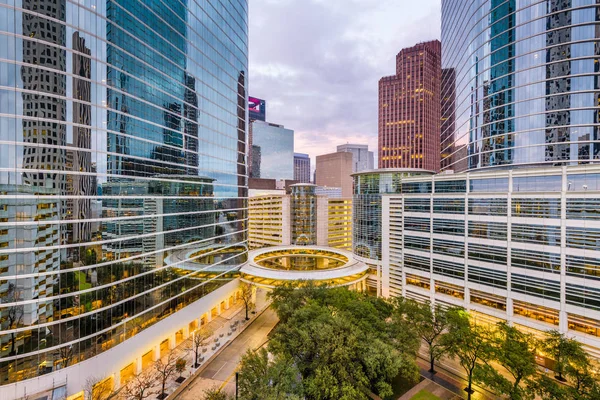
(131, 141)
(529, 94)
(362, 158)
(409, 110)
(301, 168)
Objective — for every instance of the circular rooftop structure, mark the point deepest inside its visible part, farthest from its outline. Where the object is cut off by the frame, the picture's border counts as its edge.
(273, 266)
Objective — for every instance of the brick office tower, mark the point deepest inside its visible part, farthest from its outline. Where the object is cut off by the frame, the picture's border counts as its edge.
(409, 110)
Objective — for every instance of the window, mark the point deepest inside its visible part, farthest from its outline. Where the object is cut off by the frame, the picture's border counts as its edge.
(448, 247)
(448, 268)
(449, 206)
(416, 262)
(585, 267)
(537, 234)
(535, 260)
(583, 296)
(487, 230)
(586, 209)
(536, 208)
(416, 224)
(493, 254)
(495, 207)
(488, 185)
(539, 287)
(550, 183)
(486, 276)
(449, 226)
(459, 186)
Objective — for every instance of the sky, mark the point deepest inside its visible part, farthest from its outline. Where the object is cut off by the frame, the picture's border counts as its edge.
(317, 63)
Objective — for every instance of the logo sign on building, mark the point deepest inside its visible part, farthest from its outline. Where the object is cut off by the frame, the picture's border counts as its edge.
(257, 108)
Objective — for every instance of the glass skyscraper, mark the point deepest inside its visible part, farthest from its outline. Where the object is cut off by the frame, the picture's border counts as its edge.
(122, 142)
(525, 83)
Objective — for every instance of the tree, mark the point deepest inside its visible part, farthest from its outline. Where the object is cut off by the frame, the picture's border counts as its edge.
(165, 368)
(200, 339)
(246, 293)
(340, 342)
(215, 394)
(468, 342)
(262, 379)
(583, 382)
(429, 324)
(563, 351)
(514, 350)
(140, 387)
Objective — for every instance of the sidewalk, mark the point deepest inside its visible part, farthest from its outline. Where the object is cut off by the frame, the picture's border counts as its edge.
(450, 376)
(220, 371)
(221, 327)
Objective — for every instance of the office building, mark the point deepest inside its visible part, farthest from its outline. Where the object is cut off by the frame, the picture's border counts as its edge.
(526, 82)
(409, 110)
(519, 245)
(130, 155)
(335, 170)
(276, 144)
(367, 216)
(362, 158)
(301, 217)
(301, 168)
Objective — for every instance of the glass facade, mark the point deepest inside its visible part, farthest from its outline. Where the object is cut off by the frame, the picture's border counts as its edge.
(123, 141)
(273, 151)
(366, 207)
(520, 83)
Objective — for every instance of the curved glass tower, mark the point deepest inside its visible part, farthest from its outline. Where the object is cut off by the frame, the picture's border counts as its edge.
(122, 142)
(521, 82)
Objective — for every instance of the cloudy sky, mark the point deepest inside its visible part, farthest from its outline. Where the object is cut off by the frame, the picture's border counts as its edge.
(317, 63)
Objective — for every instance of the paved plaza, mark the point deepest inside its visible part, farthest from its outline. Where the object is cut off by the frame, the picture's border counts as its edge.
(220, 372)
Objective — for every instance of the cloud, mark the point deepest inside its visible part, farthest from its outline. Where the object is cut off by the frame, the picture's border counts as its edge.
(317, 63)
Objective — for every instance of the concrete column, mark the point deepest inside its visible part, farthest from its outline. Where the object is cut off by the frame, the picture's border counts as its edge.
(172, 341)
(157, 352)
(219, 308)
(186, 331)
(116, 380)
(227, 305)
(139, 365)
(209, 315)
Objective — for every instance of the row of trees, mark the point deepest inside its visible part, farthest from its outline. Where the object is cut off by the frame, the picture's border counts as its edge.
(338, 344)
(501, 357)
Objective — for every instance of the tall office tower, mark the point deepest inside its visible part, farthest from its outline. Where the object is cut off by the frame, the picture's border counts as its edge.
(362, 158)
(301, 168)
(409, 110)
(121, 162)
(529, 94)
(334, 170)
(276, 150)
